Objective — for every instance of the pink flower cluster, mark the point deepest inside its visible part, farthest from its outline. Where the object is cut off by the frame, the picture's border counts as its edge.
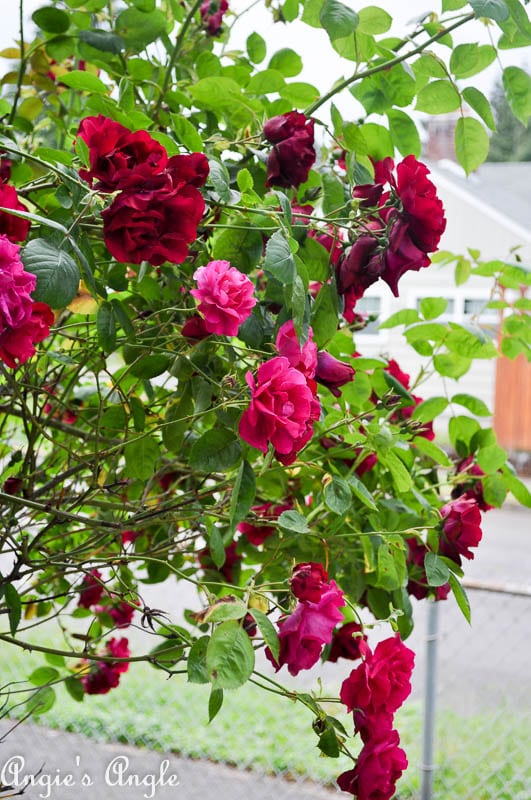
(23, 322)
(226, 297)
(255, 532)
(304, 633)
(284, 404)
(407, 224)
(212, 12)
(155, 216)
(374, 691)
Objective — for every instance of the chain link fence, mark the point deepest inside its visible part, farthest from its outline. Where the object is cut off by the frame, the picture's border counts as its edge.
(264, 746)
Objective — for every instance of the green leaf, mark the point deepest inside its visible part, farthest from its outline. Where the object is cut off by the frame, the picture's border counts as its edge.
(337, 19)
(451, 365)
(226, 610)
(377, 140)
(460, 596)
(491, 458)
(429, 409)
(473, 404)
(51, 20)
(220, 179)
(333, 194)
(83, 81)
(324, 315)
(470, 341)
(268, 81)
(438, 97)
(437, 571)
(75, 688)
(14, 607)
(42, 701)
(243, 493)
(361, 492)
(186, 133)
(328, 743)
(243, 248)
(373, 20)
(463, 268)
(57, 273)
(215, 701)
(492, 9)
(433, 307)
(404, 133)
(494, 490)
(287, 62)
(299, 94)
(389, 570)
(148, 367)
(217, 450)
(407, 316)
(337, 495)
(293, 521)
(196, 666)
(279, 260)
(469, 59)
(268, 631)
(141, 456)
(102, 40)
(400, 475)
(461, 430)
(517, 488)
(432, 450)
(106, 327)
(471, 143)
(229, 656)
(517, 85)
(139, 28)
(256, 48)
(43, 675)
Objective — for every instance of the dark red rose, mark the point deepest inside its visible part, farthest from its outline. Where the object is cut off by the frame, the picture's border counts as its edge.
(381, 683)
(403, 415)
(379, 766)
(461, 529)
(15, 228)
(308, 581)
(212, 15)
(417, 584)
(130, 536)
(5, 169)
(194, 329)
(471, 486)
(153, 226)
(119, 158)
(249, 625)
(122, 613)
(346, 642)
(91, 589)
(393, 369)
(13, 485)
(358, 269)
(106, 675)
(232, 558)
(256, 533)
(293, 153)
(332, 373)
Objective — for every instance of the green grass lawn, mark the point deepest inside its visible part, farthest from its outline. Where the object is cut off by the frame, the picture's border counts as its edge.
(255, 729)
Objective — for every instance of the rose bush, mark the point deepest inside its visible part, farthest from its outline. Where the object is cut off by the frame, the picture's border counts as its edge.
(185, 235)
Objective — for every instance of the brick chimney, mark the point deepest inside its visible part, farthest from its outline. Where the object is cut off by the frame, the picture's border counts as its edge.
(439, 142)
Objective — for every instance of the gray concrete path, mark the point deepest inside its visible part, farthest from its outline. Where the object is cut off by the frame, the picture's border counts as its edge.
(75, 768)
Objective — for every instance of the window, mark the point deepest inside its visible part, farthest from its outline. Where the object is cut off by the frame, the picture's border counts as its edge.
(372, 306)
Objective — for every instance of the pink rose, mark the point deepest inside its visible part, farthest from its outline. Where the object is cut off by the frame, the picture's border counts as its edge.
(16, 286)
(304, 633)
(282, 411)
(303, 358)
(225, 297)
(212, 15)
(461, 529)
